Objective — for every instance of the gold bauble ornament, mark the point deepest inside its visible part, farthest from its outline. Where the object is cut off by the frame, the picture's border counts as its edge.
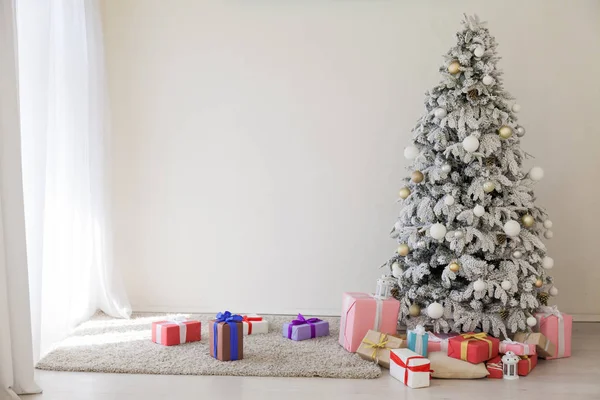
(403, 249)
(414, 310)
(404, 193)
(488, 186)
(454, 267)
(454, 67)
(539, 283)
(417, 177)
(505, 132)
(527, 220)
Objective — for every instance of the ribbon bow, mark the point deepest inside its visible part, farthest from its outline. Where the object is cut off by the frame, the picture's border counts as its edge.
(231, 320)
(473, 336)
(303, 321)
(249, 321)
(549, 310)
(419, 330)
(376, 346)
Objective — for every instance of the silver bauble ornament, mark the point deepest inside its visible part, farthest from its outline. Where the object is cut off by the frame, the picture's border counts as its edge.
(440, 113)
(520, 131)
(446, 168)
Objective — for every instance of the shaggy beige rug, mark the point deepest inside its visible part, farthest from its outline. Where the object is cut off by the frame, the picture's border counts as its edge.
(105, 344)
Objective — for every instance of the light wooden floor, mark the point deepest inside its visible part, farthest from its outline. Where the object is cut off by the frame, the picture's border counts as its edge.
(574, 378)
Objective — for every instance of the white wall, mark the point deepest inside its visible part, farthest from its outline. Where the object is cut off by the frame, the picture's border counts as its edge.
(258, 144)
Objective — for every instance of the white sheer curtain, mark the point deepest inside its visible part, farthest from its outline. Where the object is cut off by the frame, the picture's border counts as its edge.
(65, 136)
(16, 362)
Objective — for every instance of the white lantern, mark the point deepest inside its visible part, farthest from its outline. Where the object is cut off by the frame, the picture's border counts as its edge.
(509, 365)
(384, 287)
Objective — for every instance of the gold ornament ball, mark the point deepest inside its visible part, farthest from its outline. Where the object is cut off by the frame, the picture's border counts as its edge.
(488, 187)
(414, 310)
(527, 220)
(454, 267)
(539, 283)
(454, 67)
(404, 192)
(417, 177)
(403, 249)
(505, 132)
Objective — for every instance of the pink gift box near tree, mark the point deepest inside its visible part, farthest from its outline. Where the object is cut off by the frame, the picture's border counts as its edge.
(362, 312)
(557, 327)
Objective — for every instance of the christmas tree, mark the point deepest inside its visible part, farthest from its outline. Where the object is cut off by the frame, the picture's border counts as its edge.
(470, 253)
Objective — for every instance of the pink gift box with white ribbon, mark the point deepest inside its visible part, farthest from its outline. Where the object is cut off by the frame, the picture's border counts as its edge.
(520, 349)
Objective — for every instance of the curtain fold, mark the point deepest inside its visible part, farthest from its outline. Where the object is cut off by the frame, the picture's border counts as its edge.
(16, 359)
(66, 142)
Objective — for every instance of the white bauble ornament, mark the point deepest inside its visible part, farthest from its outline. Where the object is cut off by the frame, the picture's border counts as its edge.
(479, 50)
(448, 200)
(548, 224)
(531, 321)
(421, 244)
(470, 143)
(398, 225)
(516, 108)
(435, 310)
(517, 254)
(437, 231)
(478, 210)
(487, 80)
(547, 262)
(512, 228)
(458, 234)
(411, 152)
(520, 131)
(506, 285)
(396, 270)
(488, 186)
(536, 173)
(440, 113)
(553, 291)
(548, 234)
(479, 285)
(446, 168)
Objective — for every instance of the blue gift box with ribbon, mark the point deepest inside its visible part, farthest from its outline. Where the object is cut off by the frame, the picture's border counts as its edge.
(418, 340)
(226, 337)
(302, 328)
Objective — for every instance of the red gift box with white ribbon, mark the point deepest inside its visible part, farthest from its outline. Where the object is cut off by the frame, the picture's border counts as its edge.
(175, 331)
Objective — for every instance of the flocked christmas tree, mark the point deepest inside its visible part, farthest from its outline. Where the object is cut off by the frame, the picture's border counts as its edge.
(470, 253)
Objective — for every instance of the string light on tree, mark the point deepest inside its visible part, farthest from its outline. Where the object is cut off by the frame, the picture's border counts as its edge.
(478, 210)
(403, 249)
(440, 112)
(454, 67)
(417, 177)
(411, 152)
(488, 186)
(470, 143)
(512, 228)
(404, 193)
(536, 174)
(437, 231)
(435, 310)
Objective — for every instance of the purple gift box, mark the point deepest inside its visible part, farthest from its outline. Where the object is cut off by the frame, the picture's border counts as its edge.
(302, 328)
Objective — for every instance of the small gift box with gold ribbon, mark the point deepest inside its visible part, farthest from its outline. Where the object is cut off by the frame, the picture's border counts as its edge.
(526, 364)
(543, 347)
(376, 347)
(410, 368)
(473, 347)
(254, 324)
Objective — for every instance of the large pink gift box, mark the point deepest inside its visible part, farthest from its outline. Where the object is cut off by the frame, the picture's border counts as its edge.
(362, 312)
(557, 328)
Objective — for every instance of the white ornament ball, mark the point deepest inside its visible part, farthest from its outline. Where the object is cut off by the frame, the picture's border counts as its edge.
(435, 310)
(478, 210)
(487, 80)
(411, 152)
(548, 234)
(398, 225)
(396, 270)
(516, 108)
(470, 143)
(437, 231)
(531, 321)
(548, 224)
(512, 228)
(553, 291)
(440, 113)
(506, 285)
(446, 168)
(520, 131)
(547, 262)
(479, 285)
(517, 254)
(458, 234)
(536, 173)
(448, 200)
(479, 50)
